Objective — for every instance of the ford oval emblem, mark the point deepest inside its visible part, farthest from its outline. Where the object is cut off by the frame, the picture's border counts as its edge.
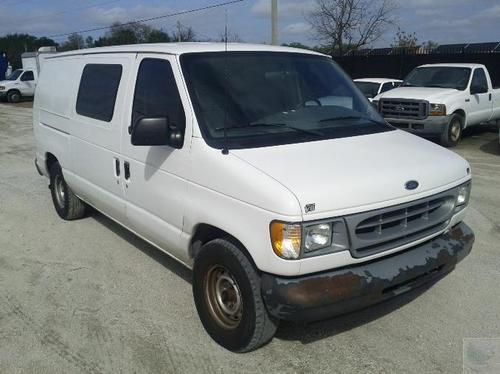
(411, 185)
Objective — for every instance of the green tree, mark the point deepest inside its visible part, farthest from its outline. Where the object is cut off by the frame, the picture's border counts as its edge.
(75, 41)
(16, 44)
(132, 34)
(405, 40)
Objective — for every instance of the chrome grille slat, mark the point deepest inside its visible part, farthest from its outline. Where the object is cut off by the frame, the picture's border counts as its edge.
(408, 214)
(383, 229)
(404, 108)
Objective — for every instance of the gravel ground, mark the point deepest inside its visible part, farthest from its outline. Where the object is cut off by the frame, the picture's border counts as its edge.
(89, 297)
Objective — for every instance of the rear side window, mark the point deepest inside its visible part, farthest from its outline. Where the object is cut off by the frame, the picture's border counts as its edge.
(156, 94)
(97, 92)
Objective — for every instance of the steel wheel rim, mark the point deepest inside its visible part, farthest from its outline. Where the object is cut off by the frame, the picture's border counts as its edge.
(59, 190)
(223, 297)
(455, 131)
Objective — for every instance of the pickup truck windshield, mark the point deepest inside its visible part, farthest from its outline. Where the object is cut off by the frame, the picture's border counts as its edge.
(369, 89)
(15, 74)
(270, 98)
(439, 77)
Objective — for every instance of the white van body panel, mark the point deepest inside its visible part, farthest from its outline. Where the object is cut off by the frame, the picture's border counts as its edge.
(334, 167)
(171, 192)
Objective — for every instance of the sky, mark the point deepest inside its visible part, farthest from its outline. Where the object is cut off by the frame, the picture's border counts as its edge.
(443, 21)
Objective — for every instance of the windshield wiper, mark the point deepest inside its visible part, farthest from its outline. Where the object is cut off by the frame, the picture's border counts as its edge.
(281, 125)
(298, 129)
(350, 117)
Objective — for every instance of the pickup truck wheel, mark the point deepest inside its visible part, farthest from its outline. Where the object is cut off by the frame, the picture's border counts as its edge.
(226, 289)
(452, 132)
(68, 206)
(13, 97)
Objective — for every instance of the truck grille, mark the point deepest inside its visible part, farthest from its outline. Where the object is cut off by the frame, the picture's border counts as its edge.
(388, 228)
(404, 108)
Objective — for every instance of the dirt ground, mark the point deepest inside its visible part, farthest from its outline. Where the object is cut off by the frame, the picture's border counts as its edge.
(89, 297)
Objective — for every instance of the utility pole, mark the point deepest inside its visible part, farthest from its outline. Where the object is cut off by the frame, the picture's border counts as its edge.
(179, 31)
(274, 20)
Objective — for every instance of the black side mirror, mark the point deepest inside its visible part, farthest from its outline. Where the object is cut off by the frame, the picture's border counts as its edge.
(156, 131)
(478, 89)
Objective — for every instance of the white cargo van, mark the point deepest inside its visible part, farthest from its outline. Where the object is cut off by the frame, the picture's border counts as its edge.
(262, 168)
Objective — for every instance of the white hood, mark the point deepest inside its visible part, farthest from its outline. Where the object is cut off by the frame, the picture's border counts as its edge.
(433, 95)
(361, 171)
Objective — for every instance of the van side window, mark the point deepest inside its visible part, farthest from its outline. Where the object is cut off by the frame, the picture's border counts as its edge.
(98, 90)
(156, 94)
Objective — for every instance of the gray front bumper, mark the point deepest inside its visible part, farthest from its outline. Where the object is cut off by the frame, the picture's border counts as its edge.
(429, 126)
(330, 293)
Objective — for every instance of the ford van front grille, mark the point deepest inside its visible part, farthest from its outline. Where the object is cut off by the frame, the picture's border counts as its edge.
(388, 228)
(404, 108)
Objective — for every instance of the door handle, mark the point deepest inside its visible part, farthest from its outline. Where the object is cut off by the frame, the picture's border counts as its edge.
(126, 166)
(490, 97)
(467, 100)
(117, 168)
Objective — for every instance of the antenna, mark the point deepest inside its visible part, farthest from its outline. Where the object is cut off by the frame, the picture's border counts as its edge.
(225, 149)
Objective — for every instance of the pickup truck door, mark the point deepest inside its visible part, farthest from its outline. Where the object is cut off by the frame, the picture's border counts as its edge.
(27, 83)
(480, 102)
(155, 176)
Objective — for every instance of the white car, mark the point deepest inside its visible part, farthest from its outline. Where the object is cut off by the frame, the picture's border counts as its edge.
(261, 168)
(371, 87)
(441, 100)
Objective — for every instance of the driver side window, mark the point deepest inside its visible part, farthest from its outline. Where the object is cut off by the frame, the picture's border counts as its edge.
(156, 94)
(28, 76)
(479, 79)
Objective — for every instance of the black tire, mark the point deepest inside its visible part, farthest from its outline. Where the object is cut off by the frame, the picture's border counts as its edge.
(244, 332)
(68, 206)
(452, 133)
(13, 97)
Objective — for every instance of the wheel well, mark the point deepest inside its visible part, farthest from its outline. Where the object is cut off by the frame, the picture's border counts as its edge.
(50, 159)
(13, 90)
(461, 113)
(204, 233)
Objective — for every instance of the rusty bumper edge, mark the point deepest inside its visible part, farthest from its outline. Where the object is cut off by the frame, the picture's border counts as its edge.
(327, 294)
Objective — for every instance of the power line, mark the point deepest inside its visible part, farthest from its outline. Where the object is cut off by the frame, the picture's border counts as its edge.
(149, 19)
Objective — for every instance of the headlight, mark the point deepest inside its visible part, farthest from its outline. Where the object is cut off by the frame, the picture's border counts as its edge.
(2, 88)
(463, 195)
(317, 237)
(299, 240)
(437, 110)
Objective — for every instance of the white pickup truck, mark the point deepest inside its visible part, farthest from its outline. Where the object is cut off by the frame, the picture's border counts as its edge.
(21, 83)
(441, 100)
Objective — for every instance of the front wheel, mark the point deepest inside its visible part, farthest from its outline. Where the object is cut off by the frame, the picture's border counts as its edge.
(452, 133)
(13, 97)
(226, 289)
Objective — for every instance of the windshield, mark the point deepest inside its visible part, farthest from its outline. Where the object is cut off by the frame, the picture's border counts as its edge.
(369, 89)
(262, 99)
(439, 76)
(15, 74)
